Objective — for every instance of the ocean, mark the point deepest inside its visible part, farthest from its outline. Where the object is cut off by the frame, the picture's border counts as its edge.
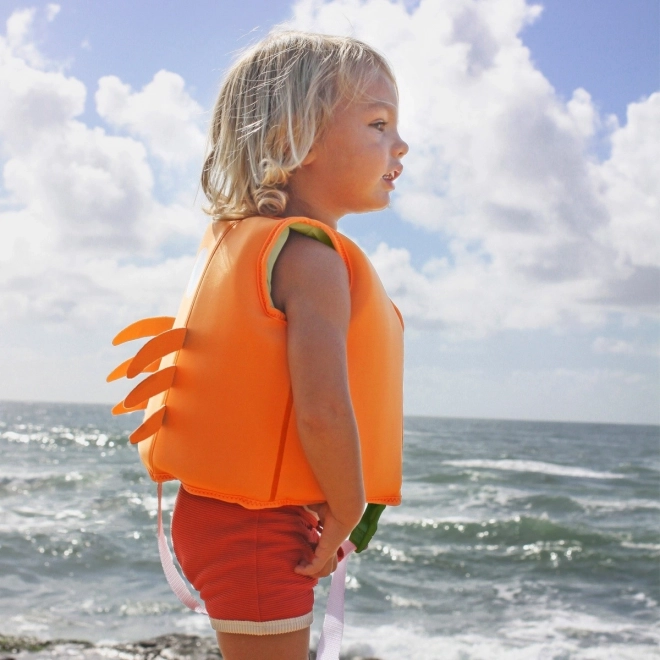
(515, 540)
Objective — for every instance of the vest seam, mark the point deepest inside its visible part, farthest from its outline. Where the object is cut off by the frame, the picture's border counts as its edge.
(282, 444)
(160, 477)
(398, 313)
(260, 504)
(248, 501)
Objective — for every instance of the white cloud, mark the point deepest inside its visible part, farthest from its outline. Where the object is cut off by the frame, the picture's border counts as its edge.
(34, 103)
(622, 347)
(540, 231)
(569, 394)
(52, 10)
(84, 238)
(163, 115)
(613, 346)
(630, 182)
(19, 26)
(470, 297)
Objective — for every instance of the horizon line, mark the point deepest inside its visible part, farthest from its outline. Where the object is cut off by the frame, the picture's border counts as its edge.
(408, 415)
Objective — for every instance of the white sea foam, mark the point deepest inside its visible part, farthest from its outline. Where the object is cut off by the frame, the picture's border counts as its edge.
(419, 433)
(507, 592)
(24, 521)
(551, 635)
(488, 495)
(192, 625)
(534, 466)
(617, 505)
(70, 513)
(148, 608)
(17, 474)
(400, 601)
(150, 504)
(397, 517)
(652, 547)
(32, 520)
(415, 490)
(641, 597)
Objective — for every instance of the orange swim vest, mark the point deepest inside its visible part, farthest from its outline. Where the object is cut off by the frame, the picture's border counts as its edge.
(220, 415)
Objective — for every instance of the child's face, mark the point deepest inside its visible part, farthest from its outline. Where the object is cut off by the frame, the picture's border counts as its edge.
(353, 167)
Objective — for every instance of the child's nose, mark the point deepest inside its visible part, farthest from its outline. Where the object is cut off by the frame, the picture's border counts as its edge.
(402, 148)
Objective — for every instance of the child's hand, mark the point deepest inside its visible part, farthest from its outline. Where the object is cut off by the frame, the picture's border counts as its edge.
(333, 534)
(330, 567)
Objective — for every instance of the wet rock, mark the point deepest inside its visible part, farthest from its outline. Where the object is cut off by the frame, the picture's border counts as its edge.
(164, 647)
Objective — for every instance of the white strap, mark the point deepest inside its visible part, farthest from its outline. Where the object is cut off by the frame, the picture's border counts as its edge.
(333, 624)
(179, 587)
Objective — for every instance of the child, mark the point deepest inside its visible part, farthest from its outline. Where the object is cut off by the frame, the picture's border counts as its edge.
(281, 414)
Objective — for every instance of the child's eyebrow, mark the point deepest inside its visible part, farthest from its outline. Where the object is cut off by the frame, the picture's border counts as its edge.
(386, 105)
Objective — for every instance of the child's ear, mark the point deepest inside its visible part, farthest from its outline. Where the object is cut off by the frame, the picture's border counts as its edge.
(310, 157)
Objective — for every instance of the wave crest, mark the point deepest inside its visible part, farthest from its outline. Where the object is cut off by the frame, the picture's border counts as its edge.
(538, 467)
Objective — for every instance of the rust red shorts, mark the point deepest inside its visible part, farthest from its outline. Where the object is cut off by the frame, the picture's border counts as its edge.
(241, 561)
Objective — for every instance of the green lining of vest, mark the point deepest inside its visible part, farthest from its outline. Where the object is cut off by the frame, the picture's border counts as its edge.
(301, 228)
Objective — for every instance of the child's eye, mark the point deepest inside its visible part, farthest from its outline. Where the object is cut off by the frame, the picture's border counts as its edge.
(379, 125)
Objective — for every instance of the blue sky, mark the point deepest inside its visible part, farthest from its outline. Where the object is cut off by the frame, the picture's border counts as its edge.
(522, 301)
(608, 47)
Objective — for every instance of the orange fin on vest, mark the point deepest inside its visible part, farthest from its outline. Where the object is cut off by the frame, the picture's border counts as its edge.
(149, 426)
(144, 328)
(121, 409)
(150, 386)
(120, 371)
(156, 348)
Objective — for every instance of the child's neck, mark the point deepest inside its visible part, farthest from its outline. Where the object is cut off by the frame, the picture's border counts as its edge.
(301, 208)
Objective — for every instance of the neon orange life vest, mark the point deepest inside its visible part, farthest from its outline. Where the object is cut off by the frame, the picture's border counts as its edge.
(220, 416)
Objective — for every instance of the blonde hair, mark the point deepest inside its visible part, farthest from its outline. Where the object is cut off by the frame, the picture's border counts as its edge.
(274, 104)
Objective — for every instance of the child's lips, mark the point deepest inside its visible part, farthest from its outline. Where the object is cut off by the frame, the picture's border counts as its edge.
(394, 174)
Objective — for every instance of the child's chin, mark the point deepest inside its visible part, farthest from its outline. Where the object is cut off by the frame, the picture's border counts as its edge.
(380, 203)
(376, 203)
(384, 204)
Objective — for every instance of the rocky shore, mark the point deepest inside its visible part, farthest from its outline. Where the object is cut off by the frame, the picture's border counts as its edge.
(164, 647)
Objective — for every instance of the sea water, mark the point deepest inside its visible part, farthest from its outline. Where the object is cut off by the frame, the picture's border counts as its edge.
(515, 540)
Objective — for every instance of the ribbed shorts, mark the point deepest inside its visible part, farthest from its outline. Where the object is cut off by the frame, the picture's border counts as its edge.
(241, 561)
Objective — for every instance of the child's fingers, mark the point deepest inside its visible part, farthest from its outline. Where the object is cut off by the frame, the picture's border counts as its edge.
(320, 509)
(330, 567)
(310, 569)
(318, 567)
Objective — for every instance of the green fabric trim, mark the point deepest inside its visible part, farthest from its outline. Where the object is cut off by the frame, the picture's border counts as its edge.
(272, 257)
(301, 228)
(312, 232)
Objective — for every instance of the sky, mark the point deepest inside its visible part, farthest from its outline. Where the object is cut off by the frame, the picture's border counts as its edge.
(522, 244)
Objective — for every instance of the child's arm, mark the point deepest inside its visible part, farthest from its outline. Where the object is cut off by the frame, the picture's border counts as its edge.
(310, 285)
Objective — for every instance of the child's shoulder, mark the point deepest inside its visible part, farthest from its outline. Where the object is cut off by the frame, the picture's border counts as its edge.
(307, 266)
(306, 256)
